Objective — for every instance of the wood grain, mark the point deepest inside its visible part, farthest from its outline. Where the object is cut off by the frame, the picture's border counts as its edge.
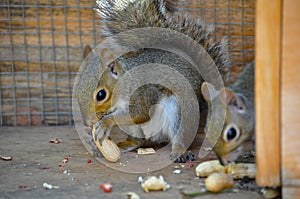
(290, 192)
(290, 95)
(267, 91)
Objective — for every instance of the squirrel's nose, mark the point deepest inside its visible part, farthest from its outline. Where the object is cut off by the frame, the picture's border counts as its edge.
(87, 123)
(223, 161)
(90, 121)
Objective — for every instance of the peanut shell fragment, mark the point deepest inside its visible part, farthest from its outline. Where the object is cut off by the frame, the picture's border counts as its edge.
(153, 183)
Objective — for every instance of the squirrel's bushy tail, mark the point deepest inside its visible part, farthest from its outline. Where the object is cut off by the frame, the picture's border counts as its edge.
(122, 15)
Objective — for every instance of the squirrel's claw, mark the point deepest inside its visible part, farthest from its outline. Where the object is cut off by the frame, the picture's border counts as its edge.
(90, 140)
(183, 158)
(100, 132)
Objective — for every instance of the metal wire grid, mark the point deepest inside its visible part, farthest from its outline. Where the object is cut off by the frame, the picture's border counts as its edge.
(11, 95)
(34, 63)
(249, 22)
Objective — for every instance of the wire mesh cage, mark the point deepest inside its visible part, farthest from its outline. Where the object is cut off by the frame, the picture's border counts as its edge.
(42, 43)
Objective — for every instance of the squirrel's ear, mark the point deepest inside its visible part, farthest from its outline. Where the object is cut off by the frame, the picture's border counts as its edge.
(235, 101)
(115, 69)
(208, 91)
(108, 60)
(87, 49)
(106, 56)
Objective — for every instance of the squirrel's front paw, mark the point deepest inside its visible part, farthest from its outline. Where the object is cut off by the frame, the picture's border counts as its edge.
(177, 151)
(100, 132)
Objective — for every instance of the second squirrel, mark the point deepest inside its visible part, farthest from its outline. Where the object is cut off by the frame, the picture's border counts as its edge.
(230, 121)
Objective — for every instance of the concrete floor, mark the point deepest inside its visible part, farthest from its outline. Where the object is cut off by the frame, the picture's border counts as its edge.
(36, 161)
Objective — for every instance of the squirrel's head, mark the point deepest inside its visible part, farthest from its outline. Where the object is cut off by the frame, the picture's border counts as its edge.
(95, 87)
(104, 96)
(229, 124)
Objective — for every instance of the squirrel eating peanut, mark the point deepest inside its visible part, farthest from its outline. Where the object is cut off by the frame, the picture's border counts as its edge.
(103, 106)
(230, 121)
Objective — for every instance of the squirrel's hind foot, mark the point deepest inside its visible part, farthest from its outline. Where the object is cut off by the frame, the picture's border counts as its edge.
(133, 143)
(128, 145)
(180, 155)
(185, 157)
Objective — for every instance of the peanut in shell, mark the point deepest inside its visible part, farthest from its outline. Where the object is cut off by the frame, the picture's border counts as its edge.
(237, 171)
(216, 182)
(108, 148)
(204, 169)
(241, 170)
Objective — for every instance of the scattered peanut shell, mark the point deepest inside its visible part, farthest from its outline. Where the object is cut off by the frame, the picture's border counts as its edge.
(6, 158)
(204, 169)
(140, 179)
(216, 182)
(55, 141)
(177, 171)
(108, 148)
(106, 187)
(49, 186)
(270, 193)
(153, 183)
(241, 170)
(145, 151)
(132, 195)
(65, 160)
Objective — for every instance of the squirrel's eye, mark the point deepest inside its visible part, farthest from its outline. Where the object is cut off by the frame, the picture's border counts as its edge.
(231, 133)
(101, 95)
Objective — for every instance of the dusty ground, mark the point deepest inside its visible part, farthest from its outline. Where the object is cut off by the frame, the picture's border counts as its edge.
(36, 161)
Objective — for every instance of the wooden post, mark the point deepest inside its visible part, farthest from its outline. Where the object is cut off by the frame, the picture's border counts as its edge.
(290, 99)
(267, 91)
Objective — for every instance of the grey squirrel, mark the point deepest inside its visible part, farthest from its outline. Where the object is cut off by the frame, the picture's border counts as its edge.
(104, 107)
(231, 117)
